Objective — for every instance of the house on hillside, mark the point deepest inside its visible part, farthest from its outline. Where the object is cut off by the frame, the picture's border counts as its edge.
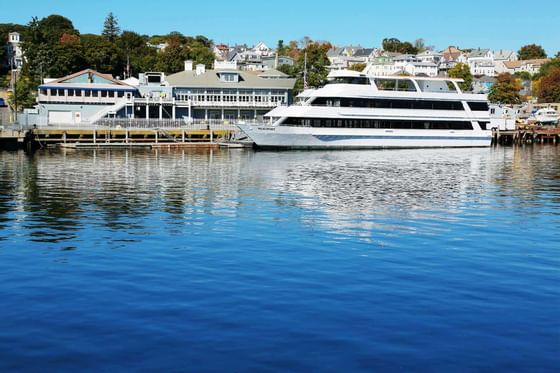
(500, 57)
(530, 66)
(14, 52)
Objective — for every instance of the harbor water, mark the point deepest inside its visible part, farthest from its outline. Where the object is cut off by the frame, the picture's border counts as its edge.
(240, 260)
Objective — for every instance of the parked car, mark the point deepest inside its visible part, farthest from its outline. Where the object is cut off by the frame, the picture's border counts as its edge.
(2, 102)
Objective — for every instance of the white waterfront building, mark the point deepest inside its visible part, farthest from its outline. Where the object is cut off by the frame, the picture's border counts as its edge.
(88, 96)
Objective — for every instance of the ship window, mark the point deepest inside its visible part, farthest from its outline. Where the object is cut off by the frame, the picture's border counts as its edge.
(376, 123)
(387, 103)
(478, 106)
(483, 125)
(386, 84)
(360, 80)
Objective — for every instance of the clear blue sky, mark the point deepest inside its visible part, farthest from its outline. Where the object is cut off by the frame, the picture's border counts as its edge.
(495, 24)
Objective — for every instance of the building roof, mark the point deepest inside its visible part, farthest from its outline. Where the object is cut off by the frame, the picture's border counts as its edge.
(451, 54)
(363, 52)
(211, 79)
(479, 52)
(335, 52)
(429, 52)
(271, 73)
(503, 54)
(88, 79)
(518, 64)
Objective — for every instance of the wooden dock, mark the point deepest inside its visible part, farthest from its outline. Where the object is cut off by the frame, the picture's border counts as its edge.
(535, 135)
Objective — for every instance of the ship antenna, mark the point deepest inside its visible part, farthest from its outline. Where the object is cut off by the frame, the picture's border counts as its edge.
(305, 85)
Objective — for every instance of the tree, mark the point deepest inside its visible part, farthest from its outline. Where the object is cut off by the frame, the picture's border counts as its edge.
(171, 60)
(67, 57)
(317, 65)
(531, 51)
(547, 67)
(549, 86)
(462, 71)
(24, 96)
(111, 29)
(54, 26)
(505, 90)
(42, 40)
(523, 75)
(136, 51)
(102, 55)
(281, 49)
(357, 67)
(396, 46)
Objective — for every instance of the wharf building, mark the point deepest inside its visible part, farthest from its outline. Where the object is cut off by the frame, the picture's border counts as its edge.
(88, 96)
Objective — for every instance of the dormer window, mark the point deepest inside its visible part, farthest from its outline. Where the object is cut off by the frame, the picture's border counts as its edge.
(229, 77)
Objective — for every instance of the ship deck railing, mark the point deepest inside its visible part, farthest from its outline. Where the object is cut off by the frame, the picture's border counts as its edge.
(183, 124)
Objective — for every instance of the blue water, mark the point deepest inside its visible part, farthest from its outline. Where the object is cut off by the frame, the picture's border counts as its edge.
(240, 261)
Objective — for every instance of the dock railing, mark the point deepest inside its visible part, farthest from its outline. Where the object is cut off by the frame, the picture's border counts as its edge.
(182, 124)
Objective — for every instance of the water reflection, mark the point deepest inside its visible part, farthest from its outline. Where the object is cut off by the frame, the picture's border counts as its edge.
(49, 196)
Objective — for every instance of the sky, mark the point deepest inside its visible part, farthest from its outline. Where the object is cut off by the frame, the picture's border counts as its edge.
(495, 24)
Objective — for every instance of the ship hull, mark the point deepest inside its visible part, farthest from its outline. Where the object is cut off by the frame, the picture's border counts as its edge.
(267, 136)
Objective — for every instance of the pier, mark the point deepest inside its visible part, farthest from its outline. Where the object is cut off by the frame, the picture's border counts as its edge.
(536, 135)
(124, 133)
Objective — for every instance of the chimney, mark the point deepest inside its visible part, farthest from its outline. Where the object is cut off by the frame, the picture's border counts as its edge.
(188, 65)
(200, 69)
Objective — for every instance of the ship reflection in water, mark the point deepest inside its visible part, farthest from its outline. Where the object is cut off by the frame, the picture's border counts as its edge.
(240, 260)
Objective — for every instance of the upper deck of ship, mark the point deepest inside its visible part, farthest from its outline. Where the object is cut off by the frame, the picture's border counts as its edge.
(352, 83)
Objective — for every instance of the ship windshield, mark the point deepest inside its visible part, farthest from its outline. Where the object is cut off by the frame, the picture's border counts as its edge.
(361, 80)
(388, 84)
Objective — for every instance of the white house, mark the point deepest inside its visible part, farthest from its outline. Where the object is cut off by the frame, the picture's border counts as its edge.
(502, 56)
(481, 62)
(15, 53)
(421, 68)
(382, 66)
(530, 66)
(261, 49)
(430, 56)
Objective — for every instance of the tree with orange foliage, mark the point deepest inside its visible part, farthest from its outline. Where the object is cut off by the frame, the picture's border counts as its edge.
(549, 86)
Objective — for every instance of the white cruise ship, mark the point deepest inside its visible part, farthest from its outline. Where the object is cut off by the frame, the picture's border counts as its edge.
(358, 111)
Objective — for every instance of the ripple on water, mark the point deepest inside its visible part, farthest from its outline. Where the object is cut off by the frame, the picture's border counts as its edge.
(240, 260)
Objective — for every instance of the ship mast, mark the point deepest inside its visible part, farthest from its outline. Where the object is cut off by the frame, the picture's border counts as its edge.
(305, 84)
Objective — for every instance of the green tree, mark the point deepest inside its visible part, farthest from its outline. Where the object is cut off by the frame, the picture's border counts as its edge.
(545, 69)
(171, 60)
(531, 51)
(462, 71)
(102, 55)
(549, 86)
(111, 29)
(357, 67)
(54, 26)
(523, 75)
(317, 65)
(396, 46)
(67, 57)
(135, 49)
(24, 95)
(505, 90)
